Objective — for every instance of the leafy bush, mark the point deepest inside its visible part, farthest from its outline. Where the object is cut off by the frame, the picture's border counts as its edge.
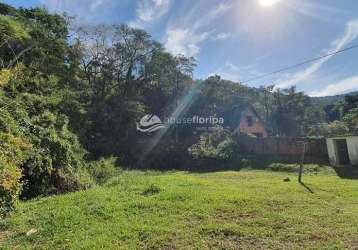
(202, 149)
(11, 28)
(216, 145)
(10, 186)
(246, 163)
(5, 76)
(57, 159)
(49, 155)
(336, 128)
(227, 150)
(281, 167)
(103, 169)
(351, 120)
(69, 180)
(36, 139)
(13, 152)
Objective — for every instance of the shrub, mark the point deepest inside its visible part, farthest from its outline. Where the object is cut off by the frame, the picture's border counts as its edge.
(10, 186)
(281, 167)
(13, 152)
(219, 144)
(56, 160)
(5, 76)
(48, 154)
(203, 149)
(103, 169)
(11, 28)
(335, 128)
(206, 147)
(351, 120)
(227, 150)
(68, 180)
(246, 163)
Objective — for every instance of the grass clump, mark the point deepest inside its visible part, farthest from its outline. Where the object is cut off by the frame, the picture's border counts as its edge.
(104, 169)
(151, 190)
(294, 168)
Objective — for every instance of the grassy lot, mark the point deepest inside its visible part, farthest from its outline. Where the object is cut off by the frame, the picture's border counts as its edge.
(177, 210)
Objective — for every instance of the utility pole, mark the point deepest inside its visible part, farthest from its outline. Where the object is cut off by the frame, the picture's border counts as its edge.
(304, 145)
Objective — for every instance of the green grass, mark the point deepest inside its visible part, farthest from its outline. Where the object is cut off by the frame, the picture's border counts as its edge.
(177, 210)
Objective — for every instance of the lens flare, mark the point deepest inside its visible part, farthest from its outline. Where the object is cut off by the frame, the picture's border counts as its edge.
(268, 3)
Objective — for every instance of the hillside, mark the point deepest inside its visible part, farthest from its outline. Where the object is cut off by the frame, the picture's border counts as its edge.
(327, 100)
(178, 210)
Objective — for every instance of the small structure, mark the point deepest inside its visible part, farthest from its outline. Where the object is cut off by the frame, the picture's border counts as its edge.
(245, 118)
(251, 123)
(343, 151)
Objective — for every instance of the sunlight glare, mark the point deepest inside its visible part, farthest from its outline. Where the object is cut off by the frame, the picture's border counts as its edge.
(268, 3)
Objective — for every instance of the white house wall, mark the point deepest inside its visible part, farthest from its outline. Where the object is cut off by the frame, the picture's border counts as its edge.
(331, 147)
(352, 144)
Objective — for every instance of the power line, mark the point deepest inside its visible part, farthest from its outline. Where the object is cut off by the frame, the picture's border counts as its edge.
(301, 63)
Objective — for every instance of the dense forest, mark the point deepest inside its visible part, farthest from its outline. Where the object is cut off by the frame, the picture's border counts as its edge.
(70, 100)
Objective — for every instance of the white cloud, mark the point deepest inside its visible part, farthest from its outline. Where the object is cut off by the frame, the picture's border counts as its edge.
(341, 87)
(184, 41)
(186, 35)
(149, 11)
(230, 71)
(107, 11)
(222, 36)
(206, 19)
(317, 11)
(350, 34)
(221, 8)
(96, 4)
(71, 6)
(86, 11)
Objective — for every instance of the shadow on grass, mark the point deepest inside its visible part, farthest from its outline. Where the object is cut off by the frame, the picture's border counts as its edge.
(275, 164)
(245, 162)
(306, 187)
(348, 172)
(254, 162)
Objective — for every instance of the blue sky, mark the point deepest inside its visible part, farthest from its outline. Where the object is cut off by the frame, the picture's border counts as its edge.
(242, 39)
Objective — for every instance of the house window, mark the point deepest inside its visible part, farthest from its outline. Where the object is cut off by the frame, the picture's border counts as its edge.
(250, 121)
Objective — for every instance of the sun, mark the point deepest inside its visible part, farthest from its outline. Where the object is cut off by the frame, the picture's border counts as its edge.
(268, 3)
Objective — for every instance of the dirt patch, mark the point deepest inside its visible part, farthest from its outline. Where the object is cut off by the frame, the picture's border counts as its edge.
(3, 236)
(352, 244)
(233, 215)
(236, 242)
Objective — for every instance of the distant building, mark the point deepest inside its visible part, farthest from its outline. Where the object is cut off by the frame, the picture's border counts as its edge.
(246, 120)
(251, 123)
(343, 151)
